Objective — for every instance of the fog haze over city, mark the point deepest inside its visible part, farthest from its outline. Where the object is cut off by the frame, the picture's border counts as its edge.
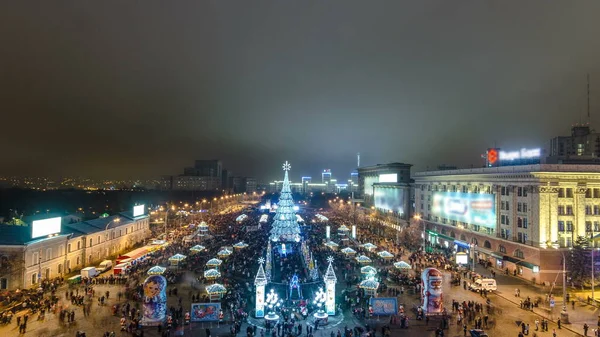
(138, 92)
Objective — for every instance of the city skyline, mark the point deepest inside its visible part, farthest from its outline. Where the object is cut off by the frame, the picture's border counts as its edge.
(142, 91)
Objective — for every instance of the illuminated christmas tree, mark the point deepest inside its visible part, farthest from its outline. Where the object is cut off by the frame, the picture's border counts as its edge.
(285, 225)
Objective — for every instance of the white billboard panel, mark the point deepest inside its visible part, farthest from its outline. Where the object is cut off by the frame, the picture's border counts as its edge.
(45, 227)
(139, 210)
(388, 178)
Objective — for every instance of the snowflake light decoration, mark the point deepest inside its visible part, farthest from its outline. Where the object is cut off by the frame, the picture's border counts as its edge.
(261, 260)
(330, 259)
(287, 166)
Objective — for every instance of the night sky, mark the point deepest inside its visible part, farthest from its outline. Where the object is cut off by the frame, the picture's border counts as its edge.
(131, 89)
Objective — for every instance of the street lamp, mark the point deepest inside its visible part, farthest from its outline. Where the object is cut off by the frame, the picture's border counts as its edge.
(108, 224)
(418, 218)
(563, 315)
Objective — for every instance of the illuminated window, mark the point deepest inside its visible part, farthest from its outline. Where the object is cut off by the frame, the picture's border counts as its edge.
(502, 249)
(596, 226)
(524, 222)
(569, 226)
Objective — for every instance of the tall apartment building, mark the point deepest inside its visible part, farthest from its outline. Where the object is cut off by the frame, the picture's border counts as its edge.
(582, 146)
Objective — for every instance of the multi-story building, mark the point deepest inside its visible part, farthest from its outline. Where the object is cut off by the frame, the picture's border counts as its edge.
(196, 183)
(582, 146)
(520, 218)
(209, 168)
(25, 260)
(251, 184)
(326, 176)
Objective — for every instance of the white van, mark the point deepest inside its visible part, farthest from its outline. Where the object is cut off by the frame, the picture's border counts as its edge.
(489, 284)
(104, 266)
(89, 272)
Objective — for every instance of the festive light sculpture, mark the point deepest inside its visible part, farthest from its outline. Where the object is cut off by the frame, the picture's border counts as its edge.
(330, 281)
(273, 303)
(260, 281)
(319, 301)
(268, 265)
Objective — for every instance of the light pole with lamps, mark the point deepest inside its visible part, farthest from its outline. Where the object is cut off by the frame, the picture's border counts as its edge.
(563, 314)
(418, 218)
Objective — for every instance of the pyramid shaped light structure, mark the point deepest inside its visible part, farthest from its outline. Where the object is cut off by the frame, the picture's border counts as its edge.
(285, 225)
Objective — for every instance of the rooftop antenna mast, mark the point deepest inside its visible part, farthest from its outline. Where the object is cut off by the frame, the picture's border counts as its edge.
(588, 97)
(358, 155)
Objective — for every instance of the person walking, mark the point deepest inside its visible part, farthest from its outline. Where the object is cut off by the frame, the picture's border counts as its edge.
(558, 322)
(585, 329)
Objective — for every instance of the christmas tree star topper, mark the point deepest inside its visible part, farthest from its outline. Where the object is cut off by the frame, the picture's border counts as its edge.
(287, 166)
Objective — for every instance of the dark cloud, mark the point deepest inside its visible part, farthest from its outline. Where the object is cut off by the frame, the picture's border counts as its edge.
(124, 89)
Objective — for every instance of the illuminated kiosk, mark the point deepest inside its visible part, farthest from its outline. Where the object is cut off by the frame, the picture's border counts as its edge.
(319, 301)
(260, 281)
(273, 303)
(330, 281)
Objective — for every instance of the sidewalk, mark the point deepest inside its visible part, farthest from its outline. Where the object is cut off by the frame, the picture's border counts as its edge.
(579, 315)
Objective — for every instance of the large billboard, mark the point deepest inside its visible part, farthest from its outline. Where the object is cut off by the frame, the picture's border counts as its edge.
(389, 199)
(139, 210)
(388, 178)
(45, 227)
(472, 208)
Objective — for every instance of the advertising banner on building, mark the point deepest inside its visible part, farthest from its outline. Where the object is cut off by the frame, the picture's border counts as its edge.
(154, 300)
(472, 208)
(205, 312)
(383, 306)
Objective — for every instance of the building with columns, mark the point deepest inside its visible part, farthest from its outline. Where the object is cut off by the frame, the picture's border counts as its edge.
(520, 218)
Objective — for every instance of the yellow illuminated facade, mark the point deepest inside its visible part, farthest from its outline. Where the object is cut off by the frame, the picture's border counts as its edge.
(537, 211)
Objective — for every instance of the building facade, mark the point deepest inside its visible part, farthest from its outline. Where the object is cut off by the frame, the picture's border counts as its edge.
(583, 145)
(26, 261)
(520, 218)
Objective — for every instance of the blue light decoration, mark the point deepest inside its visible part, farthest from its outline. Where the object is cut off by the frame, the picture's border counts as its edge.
(295, 285)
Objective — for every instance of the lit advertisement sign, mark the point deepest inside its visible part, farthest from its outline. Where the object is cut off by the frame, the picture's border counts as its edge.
(462, 258)
(497, 157)
(472, 208)
(517, 155)
(45, 227)
(388, 178)
(389, 199)
(138, 210)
